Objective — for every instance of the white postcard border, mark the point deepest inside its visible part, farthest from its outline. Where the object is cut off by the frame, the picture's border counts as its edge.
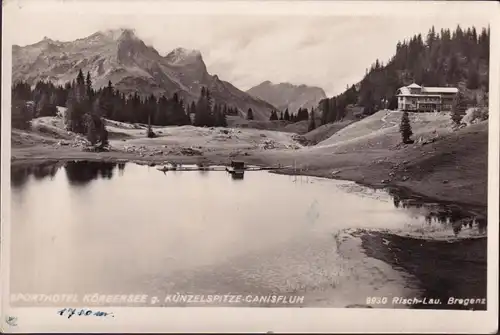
(220, 319)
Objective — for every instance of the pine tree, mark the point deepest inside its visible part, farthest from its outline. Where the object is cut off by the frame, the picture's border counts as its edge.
(484, 44)
(21, 91)
(302, 114)
(431, 36)
(44, 107)
(91, 129)
(393, 103)
(453, 70)
(223, 119)
(185, 113)
(53, 99)
(274, 116)
(405, 128)
(473, 101)
(150, 132)
(287, 115)
(103, 136)
(204, 116)
(458, 109)
(473, 78)
(325, 110)
(88, 83)
(217, 116)
(200, 109)
(20, 115)
(250, 114)
(178, 114)
(312, 124)
(80, 80)
(192, 109)
(99, 125)
(486, 100)
(75, 114)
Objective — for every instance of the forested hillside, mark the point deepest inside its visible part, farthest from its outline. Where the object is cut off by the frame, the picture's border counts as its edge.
(459, 58)
(112, 104)
(115, 105)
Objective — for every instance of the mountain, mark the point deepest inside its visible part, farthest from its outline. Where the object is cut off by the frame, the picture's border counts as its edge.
(289, 96)
(121, 57)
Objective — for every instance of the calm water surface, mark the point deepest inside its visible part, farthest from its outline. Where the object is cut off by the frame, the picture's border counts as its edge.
(100, 227)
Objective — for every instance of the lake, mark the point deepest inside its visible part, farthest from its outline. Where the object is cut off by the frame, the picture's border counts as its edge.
(93, 227)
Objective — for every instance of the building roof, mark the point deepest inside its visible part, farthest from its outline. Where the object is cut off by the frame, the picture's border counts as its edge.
(405, 90)
(420, 95)
(439, 90)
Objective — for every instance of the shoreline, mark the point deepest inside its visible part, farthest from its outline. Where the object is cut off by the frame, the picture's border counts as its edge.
(362, 177)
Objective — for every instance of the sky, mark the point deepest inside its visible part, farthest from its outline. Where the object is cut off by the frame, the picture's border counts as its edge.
(324, 45)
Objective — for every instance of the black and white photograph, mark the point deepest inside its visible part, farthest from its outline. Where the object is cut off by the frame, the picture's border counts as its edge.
(221, 155)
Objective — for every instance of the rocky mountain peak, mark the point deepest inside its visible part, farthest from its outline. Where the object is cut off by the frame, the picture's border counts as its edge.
(119, 56)
(45, 42)
(110, 36)
(128, 34)
(183, 56)
(120, 33)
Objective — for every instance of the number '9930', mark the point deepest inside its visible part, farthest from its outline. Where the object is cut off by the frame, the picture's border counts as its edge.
(376, 300)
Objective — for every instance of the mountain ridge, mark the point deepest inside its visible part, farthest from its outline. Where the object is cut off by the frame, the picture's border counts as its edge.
(119, 56)
(288, 96)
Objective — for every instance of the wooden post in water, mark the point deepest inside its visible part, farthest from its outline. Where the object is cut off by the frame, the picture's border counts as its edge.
(295, 170)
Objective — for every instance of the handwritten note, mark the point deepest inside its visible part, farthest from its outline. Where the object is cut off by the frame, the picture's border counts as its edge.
(69, 312)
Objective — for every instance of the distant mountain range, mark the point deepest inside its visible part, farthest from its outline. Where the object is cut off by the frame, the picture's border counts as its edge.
(285, 95)
(132, 66)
